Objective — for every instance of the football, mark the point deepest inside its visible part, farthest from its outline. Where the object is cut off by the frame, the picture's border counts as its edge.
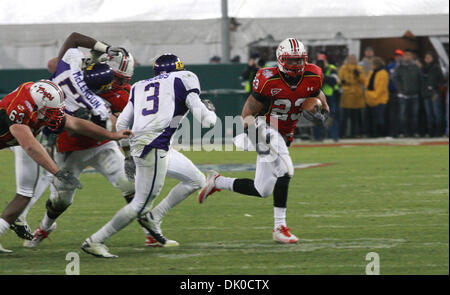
(310, 103)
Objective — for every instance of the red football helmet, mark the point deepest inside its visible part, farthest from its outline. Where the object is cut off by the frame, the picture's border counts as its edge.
(291, 57)
(49, 98)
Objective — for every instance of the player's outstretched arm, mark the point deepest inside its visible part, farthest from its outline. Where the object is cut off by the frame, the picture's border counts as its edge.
(323, 99)
(251, 108)
(38, 153)
(79, 40)
(32, 147)
(92, 130)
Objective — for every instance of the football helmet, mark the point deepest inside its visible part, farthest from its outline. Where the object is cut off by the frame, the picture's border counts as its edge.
(49, 99)
(291, 57)
(123, 67)
(167, 63)
(98, 77)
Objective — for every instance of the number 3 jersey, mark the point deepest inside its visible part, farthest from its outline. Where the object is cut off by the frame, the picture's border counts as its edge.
(18, 107)
(282, 100)
(69, 76)
(156, 107)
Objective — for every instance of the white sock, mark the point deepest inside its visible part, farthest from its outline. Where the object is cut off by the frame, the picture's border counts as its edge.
(279, 215)
(225, 183)
(46, 223)
(4, 225)
(180, 192)
(122, 218)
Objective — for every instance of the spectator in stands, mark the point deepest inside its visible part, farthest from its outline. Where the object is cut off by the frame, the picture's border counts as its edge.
(407, 79)
(329, 87)
(392, 105)
(254, 64)
(366, 62)
(215, 60)
(431, 94)
(377, 95)
(351, 77)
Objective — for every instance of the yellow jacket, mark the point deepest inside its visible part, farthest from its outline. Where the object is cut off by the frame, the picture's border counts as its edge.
(380, 92)
(352, 95)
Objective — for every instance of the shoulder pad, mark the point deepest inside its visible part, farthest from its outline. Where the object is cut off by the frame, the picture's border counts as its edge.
(261, 78)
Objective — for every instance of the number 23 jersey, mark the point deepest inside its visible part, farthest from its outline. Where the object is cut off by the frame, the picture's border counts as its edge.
(284, 100)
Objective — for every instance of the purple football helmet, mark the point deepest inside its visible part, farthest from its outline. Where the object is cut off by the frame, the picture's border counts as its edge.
(167, 63)
(98, 77)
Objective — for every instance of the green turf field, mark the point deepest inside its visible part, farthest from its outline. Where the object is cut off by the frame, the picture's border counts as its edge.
(392, 200)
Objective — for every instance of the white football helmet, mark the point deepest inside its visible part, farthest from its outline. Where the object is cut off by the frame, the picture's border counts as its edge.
(49, 98)
(123, 67)
(291, 57)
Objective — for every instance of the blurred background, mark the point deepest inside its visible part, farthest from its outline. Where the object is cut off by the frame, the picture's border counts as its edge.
(226, 41)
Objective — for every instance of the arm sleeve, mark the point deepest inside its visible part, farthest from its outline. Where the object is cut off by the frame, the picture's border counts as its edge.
(89, 99)
(199, 111)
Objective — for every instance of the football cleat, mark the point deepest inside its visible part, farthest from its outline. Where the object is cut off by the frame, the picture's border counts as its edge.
(3, 250)
(96, 249)
(38, 236)
(21, 228)
(155, 238)
(210, 186)
(283, 235)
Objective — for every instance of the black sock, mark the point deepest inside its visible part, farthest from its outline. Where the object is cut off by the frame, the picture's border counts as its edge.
(280, 192)
(245, 186)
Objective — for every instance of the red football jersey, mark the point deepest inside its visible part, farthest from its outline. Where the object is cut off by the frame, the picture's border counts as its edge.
(118, 99)
(285, 100)
(18, 107)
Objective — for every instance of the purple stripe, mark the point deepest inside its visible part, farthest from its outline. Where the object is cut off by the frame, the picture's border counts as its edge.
(132, 96)
(155, 171)
(62, 67)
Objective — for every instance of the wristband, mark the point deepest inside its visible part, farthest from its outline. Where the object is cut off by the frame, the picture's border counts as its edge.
(100, 46)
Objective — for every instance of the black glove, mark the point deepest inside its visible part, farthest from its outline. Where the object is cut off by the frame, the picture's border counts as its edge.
(114, 51)
(69, 181)
(316, 117)
(82, 113)
(130, 167)
(209, 105)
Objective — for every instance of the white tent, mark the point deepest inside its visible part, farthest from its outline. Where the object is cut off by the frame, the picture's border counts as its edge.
(32, 31)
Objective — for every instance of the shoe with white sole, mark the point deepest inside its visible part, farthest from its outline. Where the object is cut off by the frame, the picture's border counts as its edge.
(210, 186)
(283, 235)
(3, 250)
(38, 236)
(155, 238)
(96, 249)
(21, 228)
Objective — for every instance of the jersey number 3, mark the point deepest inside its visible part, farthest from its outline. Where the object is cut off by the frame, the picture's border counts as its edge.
(152, 103)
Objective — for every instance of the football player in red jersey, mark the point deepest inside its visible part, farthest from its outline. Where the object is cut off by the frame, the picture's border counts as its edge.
(278, 93)
(23, 114)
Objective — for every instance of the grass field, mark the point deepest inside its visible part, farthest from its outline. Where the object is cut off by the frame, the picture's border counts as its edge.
(392, 200)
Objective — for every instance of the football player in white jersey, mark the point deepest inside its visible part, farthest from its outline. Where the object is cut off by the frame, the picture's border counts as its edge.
(155, 109)
(82, 83)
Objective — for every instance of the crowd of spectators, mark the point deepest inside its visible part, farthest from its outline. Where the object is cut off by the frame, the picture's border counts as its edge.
(408, 97)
